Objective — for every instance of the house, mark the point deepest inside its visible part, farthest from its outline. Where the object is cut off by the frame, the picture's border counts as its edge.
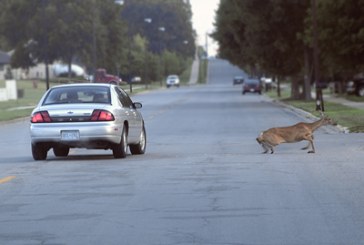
(38, 71)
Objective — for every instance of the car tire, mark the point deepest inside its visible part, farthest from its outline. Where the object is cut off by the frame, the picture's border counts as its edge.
(119, 150)
(139, 149)
(61, 151)
(39, 151)
(361, 91)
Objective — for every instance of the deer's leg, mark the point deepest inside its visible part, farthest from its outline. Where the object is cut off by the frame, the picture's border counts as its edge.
(312, 146)
(265, 148)
(309, 138)
(270, 147)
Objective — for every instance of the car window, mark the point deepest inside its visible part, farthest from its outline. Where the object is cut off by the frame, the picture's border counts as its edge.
(252, 81)
(124, 98)
(77, 94)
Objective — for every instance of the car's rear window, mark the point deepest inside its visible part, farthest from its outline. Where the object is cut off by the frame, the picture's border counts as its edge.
(252, 81)
(78, 94)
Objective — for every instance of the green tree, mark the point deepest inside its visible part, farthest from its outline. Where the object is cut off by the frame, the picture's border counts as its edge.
(174, 16)
(95, 32)
(63, 30)
(112, 44)
(167, 26)
(341, 37)
(263, 35)
(137, 57)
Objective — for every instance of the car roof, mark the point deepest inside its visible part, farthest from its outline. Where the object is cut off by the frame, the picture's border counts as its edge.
(83, 85)
(253, 80)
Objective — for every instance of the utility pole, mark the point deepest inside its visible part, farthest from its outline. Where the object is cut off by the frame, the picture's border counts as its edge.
(316, 68)
(207, 44)
(94, 55)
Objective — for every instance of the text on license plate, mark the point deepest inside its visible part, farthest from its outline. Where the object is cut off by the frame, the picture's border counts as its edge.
(70, 135)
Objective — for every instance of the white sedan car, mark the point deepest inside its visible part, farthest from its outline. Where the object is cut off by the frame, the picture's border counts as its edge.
(172, 80)
(92, 116)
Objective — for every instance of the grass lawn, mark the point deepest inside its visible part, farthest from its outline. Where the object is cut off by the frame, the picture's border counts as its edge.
(21, 107)
(346, 116)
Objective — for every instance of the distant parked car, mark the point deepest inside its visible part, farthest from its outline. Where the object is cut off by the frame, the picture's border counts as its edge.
(102, 77)
(252, 85)
(356, 86)
(172, 80)
(238, 80)
(61, 70)
(267, 83)
(136, 79)
(87, 115)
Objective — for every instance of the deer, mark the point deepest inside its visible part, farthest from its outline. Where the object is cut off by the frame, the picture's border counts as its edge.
(301, 131)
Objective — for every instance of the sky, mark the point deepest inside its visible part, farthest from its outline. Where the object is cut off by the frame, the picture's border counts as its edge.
(203, 17)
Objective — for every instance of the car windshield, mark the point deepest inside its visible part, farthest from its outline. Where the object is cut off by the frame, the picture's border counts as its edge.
(252, 81)
(77, 94)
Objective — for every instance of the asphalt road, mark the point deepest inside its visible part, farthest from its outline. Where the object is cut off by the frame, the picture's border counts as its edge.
(203, 179)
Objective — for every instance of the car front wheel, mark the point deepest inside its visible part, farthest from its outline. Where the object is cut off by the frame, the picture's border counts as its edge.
(120, 150)
(138, 149)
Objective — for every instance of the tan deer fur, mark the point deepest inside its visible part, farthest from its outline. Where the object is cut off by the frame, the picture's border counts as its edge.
(301, 131)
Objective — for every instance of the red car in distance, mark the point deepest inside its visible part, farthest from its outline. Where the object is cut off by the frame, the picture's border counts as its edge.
(102, 77)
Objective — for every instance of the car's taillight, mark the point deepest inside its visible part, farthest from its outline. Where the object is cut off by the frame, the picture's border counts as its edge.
(41, 117)
(102, 115)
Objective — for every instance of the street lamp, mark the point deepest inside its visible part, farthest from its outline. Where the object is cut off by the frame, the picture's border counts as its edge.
(161, 29)
(146, 20)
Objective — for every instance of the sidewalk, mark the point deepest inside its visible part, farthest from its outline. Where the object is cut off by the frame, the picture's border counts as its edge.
(343, 101)
(194, 71)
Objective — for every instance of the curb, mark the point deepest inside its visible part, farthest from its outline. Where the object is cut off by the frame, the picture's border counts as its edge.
(330, 129)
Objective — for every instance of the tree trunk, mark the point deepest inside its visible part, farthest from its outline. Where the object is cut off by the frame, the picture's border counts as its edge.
(295, 88)
(69, 63)
(47, 74)
(307, 82)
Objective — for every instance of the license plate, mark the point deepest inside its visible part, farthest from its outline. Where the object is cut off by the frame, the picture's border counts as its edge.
(252, 90)
(70, 135)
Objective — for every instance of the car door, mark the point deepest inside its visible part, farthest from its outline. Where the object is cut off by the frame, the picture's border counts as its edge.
(134, 117)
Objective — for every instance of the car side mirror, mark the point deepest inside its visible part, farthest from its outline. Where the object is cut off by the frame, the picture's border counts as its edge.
(137, 105)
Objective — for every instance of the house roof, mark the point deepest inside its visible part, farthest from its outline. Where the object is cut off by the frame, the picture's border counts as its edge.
(4, 58)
